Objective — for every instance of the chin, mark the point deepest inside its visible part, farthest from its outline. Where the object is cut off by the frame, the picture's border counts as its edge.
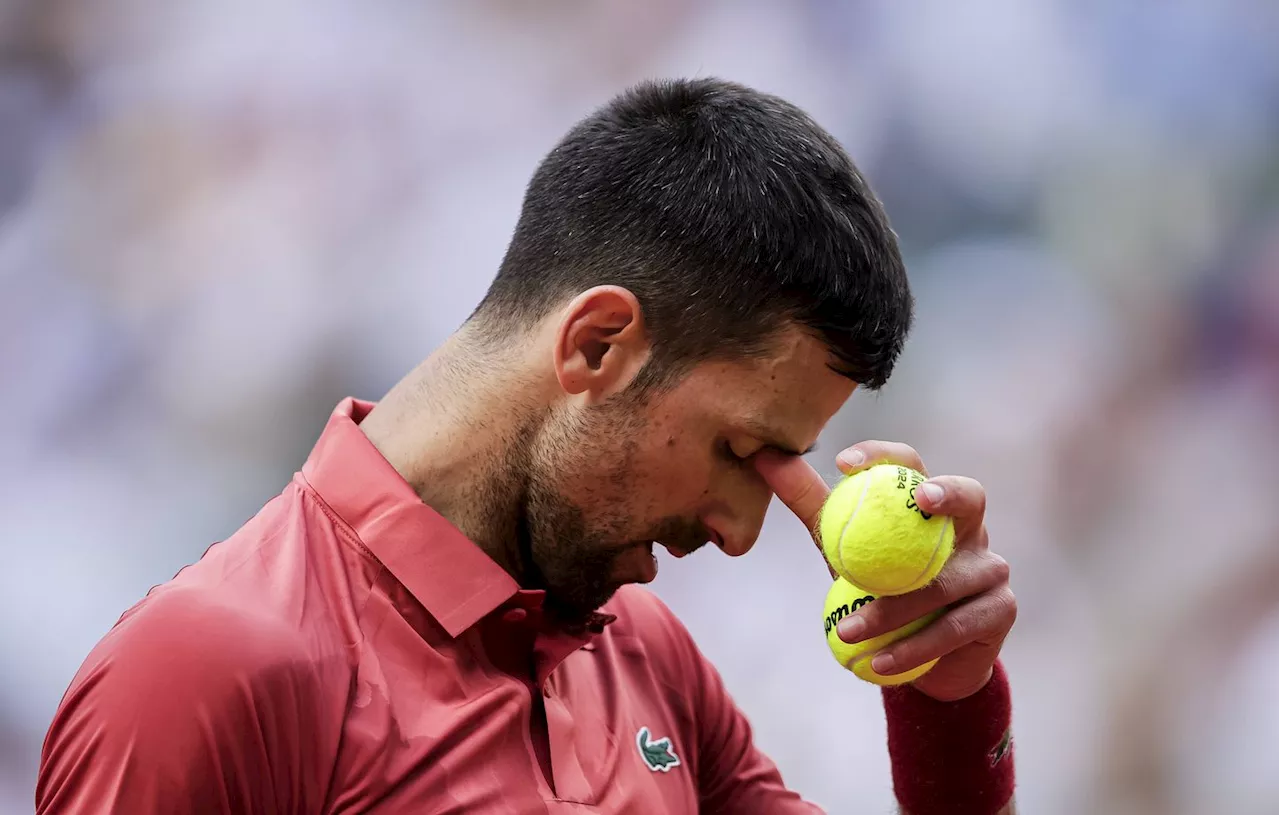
(577, 607)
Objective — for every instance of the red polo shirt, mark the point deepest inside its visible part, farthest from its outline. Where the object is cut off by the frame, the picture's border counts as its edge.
(348, 650)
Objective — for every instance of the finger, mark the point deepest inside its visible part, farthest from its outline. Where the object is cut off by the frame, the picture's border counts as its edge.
(963, 499)
(984, 619)
(866, 454)
(796, 484)
(967, 574)
(799, 487)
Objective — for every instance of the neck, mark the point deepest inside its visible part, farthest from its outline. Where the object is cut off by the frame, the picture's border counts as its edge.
(458, 429)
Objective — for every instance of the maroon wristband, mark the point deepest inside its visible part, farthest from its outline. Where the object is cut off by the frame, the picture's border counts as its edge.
(951, 757)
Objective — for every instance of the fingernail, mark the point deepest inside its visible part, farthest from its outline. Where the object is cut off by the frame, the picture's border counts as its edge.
(851, 458)
(882, 664)
(851, 628)
(931, 492)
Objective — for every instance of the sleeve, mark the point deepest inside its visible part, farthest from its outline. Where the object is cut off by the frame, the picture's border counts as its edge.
(733, 775)
(186, 706)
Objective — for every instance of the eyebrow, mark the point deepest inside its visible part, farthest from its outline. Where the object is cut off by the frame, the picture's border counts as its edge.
(773, 439)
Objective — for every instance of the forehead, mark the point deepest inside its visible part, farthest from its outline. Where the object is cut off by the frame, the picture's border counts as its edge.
(792, 391)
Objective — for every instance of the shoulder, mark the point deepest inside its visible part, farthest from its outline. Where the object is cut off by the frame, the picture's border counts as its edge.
(207, 626)
(641, 613)
(187, 699)
(644, 620)
(184, 645)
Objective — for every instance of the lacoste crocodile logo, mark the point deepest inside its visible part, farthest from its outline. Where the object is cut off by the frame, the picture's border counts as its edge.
(657, 753)
(1002, 749)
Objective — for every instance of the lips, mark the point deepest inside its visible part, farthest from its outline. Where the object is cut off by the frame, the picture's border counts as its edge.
(649, 568)
(677, 550)
(674, 551)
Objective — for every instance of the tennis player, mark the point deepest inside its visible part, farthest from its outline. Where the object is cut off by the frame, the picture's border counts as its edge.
(440, 612)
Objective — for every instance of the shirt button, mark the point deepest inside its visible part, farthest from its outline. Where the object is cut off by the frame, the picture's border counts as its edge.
(515, 615)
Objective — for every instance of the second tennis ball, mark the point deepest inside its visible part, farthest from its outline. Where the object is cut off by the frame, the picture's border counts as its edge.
(843, 599)
(876, 536)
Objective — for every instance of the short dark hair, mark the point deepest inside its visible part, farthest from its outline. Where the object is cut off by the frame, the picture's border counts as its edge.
(728, 213)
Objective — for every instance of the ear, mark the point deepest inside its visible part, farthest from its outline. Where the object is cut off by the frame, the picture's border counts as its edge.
(600, 343)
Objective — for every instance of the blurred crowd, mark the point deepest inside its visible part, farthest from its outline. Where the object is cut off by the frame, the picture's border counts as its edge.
(219, 217)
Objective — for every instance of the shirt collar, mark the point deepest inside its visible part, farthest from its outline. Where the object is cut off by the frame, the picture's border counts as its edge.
(453, 579)
(449, 575)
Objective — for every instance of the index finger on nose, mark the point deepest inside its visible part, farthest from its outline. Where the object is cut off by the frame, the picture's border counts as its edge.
(797, 485)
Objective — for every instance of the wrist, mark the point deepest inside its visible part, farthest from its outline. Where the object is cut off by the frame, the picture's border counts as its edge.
(951, 694)
(952, 757)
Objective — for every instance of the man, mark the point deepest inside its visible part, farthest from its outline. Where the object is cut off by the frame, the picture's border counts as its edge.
(436, 614)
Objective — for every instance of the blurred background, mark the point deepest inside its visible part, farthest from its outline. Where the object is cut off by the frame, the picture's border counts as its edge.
(218, 218)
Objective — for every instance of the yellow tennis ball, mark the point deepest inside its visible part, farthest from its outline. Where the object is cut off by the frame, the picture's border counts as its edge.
(845, 598)
(875, 535)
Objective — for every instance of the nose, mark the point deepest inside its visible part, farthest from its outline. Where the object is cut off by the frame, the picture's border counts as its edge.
(737, 542)
(737, 525)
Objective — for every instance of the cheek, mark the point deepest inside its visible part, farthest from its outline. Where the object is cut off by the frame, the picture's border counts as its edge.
(619, 485)
(675, 474)
(644, 471)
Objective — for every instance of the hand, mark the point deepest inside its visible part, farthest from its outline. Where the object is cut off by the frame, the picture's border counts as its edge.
(972, 588)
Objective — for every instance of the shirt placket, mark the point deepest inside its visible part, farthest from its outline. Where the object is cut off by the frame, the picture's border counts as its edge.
(571, 782)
